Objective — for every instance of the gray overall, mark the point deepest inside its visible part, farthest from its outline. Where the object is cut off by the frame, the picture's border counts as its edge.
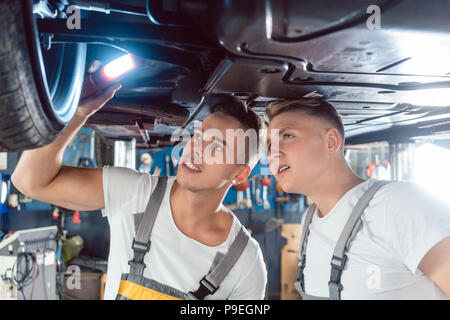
(209, 284)
(339, 259)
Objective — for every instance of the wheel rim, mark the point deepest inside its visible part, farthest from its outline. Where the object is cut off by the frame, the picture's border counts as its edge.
(64, 84)
(58, 84)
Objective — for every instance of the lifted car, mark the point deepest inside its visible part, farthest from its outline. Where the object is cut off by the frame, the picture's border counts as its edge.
(383, 64)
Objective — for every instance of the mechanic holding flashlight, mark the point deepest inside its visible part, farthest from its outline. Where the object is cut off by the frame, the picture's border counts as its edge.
(198, 248)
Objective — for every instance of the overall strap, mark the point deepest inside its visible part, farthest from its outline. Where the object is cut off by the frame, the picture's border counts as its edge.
(352, 226)
(210, 283)
(300, 284)
(141, 242)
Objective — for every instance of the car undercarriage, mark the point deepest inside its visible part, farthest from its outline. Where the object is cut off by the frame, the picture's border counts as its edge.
(383, 64)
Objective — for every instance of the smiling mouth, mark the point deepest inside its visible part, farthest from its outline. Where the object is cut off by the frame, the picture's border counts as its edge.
(283, 169)
(190, 166)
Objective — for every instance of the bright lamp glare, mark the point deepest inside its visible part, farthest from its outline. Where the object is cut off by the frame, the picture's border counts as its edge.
(118, 67)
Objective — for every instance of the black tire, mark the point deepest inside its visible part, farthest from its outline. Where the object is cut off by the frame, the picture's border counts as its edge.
(28, 116)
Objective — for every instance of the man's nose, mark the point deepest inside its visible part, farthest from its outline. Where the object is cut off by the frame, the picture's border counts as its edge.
(196, 147)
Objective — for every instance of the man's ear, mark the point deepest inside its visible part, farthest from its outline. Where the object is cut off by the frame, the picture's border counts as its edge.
(244, 172)
(334, 140)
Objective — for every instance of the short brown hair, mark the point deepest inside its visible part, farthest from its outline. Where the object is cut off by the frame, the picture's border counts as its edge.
(311, 106)
(239, 110)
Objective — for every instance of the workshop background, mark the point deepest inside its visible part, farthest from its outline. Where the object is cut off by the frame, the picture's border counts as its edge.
(272, 216)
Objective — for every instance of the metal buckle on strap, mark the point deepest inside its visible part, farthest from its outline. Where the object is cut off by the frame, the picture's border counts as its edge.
(137, 264)
(208, 285)
(206, 288)
(341, 264)
(142, 244)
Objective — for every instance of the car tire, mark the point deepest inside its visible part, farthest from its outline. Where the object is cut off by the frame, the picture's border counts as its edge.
(28, 116)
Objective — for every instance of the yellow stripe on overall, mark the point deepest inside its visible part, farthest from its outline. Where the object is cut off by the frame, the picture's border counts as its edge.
(133, 291)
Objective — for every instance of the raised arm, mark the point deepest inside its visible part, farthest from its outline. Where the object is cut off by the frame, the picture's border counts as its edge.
(39, 174)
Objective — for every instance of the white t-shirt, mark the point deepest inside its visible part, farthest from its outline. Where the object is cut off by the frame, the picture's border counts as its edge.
(174, 259)
(400, 225)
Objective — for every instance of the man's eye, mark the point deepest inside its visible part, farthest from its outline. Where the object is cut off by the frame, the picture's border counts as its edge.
(287, 136)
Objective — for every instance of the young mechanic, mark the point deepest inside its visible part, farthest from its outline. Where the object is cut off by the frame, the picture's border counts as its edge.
(361, 239)
(195, 247)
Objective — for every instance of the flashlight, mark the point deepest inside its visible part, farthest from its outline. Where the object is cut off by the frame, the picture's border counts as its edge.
(109, 73)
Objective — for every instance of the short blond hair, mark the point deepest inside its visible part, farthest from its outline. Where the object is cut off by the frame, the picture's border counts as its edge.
(314, 107)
